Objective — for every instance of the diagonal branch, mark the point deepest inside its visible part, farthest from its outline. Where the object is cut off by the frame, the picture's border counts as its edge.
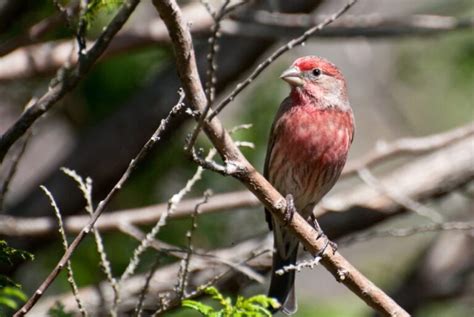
(342, 270)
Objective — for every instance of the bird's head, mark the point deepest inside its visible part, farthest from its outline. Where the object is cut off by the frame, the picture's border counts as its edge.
(317, 78)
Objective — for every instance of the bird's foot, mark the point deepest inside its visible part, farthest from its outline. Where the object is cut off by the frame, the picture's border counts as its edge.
(290, 209)
(321, 234)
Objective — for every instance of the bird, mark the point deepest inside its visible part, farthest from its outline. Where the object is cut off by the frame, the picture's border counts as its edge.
(307, 149)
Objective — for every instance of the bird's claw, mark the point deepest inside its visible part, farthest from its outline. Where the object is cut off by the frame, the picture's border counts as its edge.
(290, 209)
(320, 235)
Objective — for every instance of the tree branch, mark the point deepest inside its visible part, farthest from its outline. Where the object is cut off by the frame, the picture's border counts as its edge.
(271, 24)
(403, 146)
(65, 80)
(44, 58)
(342, 270)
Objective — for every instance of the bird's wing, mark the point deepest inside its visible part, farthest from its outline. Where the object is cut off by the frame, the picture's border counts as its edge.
(285, 105)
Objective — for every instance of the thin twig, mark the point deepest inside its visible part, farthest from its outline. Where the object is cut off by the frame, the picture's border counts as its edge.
(172, 203)
(406, 232)
(299, 266)
(86, 188)
(101, 207)
(399, 198)
(178, 252)
(15, 160)
(199, 290)
(70, 273)
(141, 300)
(184, 265)
(288, 46)
(415, 145)
(38, 30)
(81, 30)
(211, 75)
(264, 24)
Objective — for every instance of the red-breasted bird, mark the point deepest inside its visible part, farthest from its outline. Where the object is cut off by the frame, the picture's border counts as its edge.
(308, 146)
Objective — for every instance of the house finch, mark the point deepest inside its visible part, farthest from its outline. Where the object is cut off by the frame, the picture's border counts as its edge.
(308, 146)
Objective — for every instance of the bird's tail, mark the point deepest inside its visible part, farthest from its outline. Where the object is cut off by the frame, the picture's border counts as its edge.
(282, 287)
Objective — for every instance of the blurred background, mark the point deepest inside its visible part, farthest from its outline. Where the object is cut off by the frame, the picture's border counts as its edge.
(402, 83)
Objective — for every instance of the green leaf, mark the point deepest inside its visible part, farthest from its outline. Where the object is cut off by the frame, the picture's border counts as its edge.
(256, 306)
(8, 302)
(204, 309)
(13, 292)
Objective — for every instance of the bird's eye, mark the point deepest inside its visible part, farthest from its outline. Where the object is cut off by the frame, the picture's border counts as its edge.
(316, 72)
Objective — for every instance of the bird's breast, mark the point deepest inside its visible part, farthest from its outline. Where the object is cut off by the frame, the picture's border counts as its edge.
(309, 151)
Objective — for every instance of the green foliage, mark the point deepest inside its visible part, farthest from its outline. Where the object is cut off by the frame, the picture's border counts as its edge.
(254, 306)
(96, 7)
(10, 256)
(10, 296)
(10, 293)
(58, 310)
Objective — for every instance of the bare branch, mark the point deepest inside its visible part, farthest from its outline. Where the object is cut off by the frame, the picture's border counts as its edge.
(36, 31)
(211, 74)
(141, 299)
(359, 207)
(46, 58)
(41, 59)
(65, 80)
(400, 199)
(21, 227)
(264, 24)
(342, 270)
(406, 232)
(101, 207)
(180, 253)
(184, 266)
(404, 146)
(5, 183)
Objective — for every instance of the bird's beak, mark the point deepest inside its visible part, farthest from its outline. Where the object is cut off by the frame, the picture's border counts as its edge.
(293, 77)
